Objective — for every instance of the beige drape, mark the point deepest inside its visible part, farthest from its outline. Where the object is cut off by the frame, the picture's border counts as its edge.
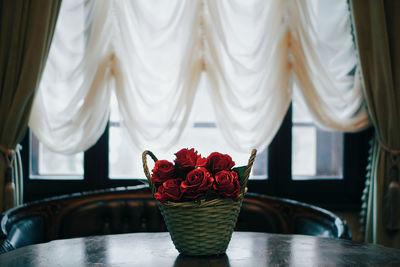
(377, 28)
(26, 31)
(154, 55)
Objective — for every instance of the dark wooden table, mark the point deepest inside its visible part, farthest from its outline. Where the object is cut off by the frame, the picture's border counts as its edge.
(245, 249)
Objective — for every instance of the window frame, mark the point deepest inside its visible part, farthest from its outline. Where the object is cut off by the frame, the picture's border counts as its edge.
(95, 165)
(335, 194)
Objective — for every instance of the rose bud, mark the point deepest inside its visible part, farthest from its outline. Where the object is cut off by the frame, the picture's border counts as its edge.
(169, 190)
(159, 195)
(197, 182)
(219, 162)
(162, 171)
(227, 184)
(201, 162)
(186, 159)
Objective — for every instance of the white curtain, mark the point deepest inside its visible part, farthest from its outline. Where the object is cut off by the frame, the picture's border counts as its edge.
(153, 53)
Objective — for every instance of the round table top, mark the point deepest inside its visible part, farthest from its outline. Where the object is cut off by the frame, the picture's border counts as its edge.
(157, 249)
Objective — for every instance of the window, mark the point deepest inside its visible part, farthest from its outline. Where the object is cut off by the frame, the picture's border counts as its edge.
(125, 159)
(315, 152)
(302, 162)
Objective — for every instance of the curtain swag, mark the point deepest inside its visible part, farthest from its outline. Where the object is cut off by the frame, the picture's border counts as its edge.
(254, 57)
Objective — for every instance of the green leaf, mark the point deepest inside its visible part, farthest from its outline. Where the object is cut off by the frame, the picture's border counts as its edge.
(240, 171)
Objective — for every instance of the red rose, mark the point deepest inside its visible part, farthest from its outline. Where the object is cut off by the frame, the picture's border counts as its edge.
(201, 162)
(219, 162)
(227, 184)
(186, 159)
(159, 195)
(169, 190)
(162, 171)
(196, 183)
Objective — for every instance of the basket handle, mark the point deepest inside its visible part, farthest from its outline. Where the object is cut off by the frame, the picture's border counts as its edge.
(248, 170)
(146, 169)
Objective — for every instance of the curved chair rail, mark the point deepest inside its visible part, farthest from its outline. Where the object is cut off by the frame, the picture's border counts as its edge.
(133, 209)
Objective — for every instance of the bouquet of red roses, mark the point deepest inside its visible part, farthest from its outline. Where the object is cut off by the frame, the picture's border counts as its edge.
(194, 177)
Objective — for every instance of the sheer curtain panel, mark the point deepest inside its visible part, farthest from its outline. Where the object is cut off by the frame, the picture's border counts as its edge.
(153, 53)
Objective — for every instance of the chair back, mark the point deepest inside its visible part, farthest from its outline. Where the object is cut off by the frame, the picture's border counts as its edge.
(133, 209)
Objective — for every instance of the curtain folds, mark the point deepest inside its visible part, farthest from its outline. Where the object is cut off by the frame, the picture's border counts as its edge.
(377, 28)
(152, 55)
(324, 61)
(26, 30)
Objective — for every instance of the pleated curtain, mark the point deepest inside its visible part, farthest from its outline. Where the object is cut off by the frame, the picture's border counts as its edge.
(152, 55)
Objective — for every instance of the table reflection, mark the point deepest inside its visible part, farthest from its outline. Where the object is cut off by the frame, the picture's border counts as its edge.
(193, 261)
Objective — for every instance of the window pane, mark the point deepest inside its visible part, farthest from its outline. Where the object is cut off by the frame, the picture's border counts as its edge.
(303, 151)
(46, 164)
(260, 166)
(329, 154)
(315, 153)
(125, 160)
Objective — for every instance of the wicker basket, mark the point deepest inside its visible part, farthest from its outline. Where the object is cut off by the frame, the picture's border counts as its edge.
(201, 227)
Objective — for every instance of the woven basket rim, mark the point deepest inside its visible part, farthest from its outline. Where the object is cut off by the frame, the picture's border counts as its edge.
(201, 203)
